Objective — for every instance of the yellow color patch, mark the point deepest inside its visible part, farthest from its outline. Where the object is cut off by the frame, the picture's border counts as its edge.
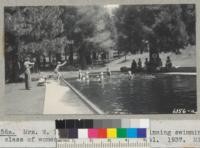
(111, 132)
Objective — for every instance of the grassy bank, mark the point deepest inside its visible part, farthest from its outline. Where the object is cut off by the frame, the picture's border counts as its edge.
(187, 58)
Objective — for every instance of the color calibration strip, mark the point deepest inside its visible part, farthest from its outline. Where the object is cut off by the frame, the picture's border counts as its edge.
(84, 129)
(103, 133)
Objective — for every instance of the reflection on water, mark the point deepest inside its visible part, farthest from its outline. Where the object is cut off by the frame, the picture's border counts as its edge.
(143, 94)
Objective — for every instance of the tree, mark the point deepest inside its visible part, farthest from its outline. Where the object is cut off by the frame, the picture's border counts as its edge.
(166, 27)
(30, 26)
(129, 28)
(92, 32)
(189, 18)
(69, 18)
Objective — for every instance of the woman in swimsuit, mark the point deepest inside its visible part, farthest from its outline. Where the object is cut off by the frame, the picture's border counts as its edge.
(57, 70)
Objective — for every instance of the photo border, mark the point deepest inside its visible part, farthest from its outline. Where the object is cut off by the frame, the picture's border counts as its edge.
(93, 2)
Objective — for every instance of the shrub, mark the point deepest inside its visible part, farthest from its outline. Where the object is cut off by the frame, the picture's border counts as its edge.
(124, 69)
(69, 68)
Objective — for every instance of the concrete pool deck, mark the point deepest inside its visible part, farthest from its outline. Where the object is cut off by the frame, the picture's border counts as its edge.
(49, 99)
(19, 101)
(62, 100)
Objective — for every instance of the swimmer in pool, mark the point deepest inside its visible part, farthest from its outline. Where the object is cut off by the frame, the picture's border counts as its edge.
(130, 75)
(87, 78)
(83, 78)
(108, 72)
(80, 74)
(100, 77)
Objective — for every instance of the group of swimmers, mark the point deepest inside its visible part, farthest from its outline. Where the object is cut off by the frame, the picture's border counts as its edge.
(84, 76)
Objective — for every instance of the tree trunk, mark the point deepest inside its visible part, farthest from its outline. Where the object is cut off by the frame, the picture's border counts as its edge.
(65, 54)
(15, 69)
(12, 61)
(38, 62)
(71, 56)
(50, 59)
(82, 58)
(88, 58)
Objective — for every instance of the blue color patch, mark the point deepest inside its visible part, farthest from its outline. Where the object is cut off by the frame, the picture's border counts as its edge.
(141, 133)
(131, 133)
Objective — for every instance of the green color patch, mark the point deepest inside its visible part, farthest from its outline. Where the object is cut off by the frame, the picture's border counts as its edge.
(121, 133)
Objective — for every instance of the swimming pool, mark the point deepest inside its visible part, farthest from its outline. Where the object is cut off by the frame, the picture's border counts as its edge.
(144, 94)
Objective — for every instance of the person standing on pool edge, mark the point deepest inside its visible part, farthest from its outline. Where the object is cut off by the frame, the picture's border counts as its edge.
(139, 65)
(168, 64)
(146, 64)
(28, 65)
(57, 70)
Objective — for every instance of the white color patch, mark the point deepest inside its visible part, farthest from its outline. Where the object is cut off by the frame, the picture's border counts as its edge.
(82, 133)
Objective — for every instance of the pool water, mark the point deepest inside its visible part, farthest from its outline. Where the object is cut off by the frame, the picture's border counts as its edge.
(144, 94)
